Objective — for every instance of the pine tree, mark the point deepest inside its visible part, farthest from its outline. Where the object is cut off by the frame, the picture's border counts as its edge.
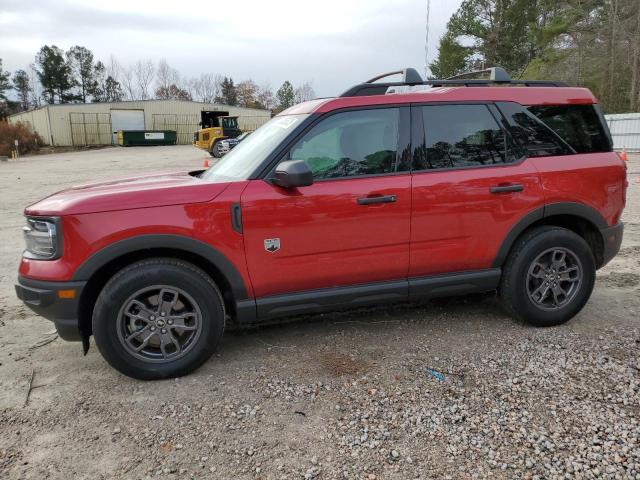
(592, 43)
(80, 61)
(452, 58)
(285, 95)
(228, 95)
(54, 75)
(22, 85)
(4, 82)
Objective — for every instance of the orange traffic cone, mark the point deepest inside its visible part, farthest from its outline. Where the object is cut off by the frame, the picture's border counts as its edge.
(206, 163)
(623, 155)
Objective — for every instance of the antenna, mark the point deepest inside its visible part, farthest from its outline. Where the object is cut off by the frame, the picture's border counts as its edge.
(426, 42)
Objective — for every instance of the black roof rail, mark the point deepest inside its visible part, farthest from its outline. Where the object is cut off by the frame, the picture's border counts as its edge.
(410, 77)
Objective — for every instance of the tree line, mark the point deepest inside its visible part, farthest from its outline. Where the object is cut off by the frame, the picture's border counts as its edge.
(75, 76)
(592, 43)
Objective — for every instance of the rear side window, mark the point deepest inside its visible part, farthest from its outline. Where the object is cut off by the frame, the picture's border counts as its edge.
(578, 125)
(457, 136)
(536, 139)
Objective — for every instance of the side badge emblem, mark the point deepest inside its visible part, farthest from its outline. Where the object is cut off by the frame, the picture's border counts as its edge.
(272, 244)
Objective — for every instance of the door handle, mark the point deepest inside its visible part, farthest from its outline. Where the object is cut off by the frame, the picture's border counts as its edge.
(506, 188)
(380, 199)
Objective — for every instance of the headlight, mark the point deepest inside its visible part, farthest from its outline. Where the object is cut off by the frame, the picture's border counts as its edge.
(42, 238)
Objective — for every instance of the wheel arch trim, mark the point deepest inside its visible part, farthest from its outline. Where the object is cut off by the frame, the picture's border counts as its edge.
(163, 241)
(561, 208)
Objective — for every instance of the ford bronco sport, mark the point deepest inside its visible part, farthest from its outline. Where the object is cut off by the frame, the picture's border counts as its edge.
(370, 197)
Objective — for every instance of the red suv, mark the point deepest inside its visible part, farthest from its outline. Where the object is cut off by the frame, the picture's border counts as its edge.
(371, 197)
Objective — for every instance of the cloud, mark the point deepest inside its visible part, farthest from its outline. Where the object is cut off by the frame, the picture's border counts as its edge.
(333, 43)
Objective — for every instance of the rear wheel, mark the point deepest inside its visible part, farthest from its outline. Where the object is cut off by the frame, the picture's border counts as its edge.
(158, 318)
(548, 277)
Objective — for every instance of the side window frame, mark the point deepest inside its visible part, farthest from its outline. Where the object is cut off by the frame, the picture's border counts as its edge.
(403, 152)
(418, 137)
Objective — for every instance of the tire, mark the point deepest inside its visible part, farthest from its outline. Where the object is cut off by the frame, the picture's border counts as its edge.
(215, 151)
(533, 276)
(174, 337)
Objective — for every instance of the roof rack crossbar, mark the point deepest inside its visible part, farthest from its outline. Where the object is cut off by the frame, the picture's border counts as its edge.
(497, 76)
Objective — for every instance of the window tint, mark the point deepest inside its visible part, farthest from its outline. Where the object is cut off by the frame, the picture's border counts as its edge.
(578, 125)
(534, 136)
(362, 142)
(462, 136)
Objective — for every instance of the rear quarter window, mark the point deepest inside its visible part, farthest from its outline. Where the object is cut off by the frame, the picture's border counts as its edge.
(578, 125)
(534, 137)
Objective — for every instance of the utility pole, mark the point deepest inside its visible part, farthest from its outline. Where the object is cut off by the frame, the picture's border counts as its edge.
(426, 43)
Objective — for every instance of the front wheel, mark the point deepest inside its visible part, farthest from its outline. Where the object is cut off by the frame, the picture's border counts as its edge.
(548, 277)
(215, 151)
(158, 318)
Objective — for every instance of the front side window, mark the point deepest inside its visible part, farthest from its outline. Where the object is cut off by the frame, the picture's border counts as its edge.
(457, 136)
(363, 142)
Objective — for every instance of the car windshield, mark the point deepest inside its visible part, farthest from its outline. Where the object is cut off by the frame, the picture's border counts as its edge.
(240, 162)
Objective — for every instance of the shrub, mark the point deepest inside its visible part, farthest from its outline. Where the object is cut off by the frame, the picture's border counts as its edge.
(28, 140)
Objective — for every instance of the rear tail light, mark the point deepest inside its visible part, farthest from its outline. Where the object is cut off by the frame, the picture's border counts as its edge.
(623, 155)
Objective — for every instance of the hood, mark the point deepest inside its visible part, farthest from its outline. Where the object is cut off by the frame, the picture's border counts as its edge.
(127, 193)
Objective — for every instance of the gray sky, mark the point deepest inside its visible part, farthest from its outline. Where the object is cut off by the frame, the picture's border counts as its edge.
(333, 43)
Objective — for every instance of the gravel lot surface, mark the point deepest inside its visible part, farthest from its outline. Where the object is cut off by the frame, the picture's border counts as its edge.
(446, 389)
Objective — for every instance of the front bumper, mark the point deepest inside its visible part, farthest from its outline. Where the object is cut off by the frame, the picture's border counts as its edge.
(612, 239)
(44, 299)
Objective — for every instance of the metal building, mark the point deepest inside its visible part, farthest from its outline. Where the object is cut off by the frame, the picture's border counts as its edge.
(625, 130)
(82, 124)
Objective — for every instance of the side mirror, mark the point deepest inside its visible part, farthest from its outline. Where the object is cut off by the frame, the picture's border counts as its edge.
(292, 174)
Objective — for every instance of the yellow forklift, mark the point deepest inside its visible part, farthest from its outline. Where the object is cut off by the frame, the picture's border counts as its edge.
(215, 126)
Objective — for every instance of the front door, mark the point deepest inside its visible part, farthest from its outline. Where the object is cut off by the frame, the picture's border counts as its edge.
(351, 227)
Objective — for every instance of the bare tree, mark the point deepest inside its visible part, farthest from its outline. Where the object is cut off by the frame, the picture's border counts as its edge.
(189, 86)
(246, 91)
(143, 72)
(304, 92)
(265, 97)
(113, 68)
(127, 80)
(217, 86)
(172, 92)
(166, 75)
(206, 87)
(36, 87)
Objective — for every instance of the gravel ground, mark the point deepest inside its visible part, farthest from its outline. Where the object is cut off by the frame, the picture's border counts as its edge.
(446, 389)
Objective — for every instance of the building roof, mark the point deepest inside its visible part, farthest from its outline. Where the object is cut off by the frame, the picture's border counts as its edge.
(125, 103)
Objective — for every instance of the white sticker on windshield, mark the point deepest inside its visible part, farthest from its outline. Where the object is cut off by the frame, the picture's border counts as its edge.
(286, 122)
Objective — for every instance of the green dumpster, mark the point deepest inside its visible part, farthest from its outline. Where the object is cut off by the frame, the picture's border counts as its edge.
(127, 138)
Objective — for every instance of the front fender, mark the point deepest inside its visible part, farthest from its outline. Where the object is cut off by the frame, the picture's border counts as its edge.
(163, 241)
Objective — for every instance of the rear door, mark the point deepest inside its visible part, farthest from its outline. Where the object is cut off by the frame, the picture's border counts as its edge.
(470, 187)
(351, 227)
